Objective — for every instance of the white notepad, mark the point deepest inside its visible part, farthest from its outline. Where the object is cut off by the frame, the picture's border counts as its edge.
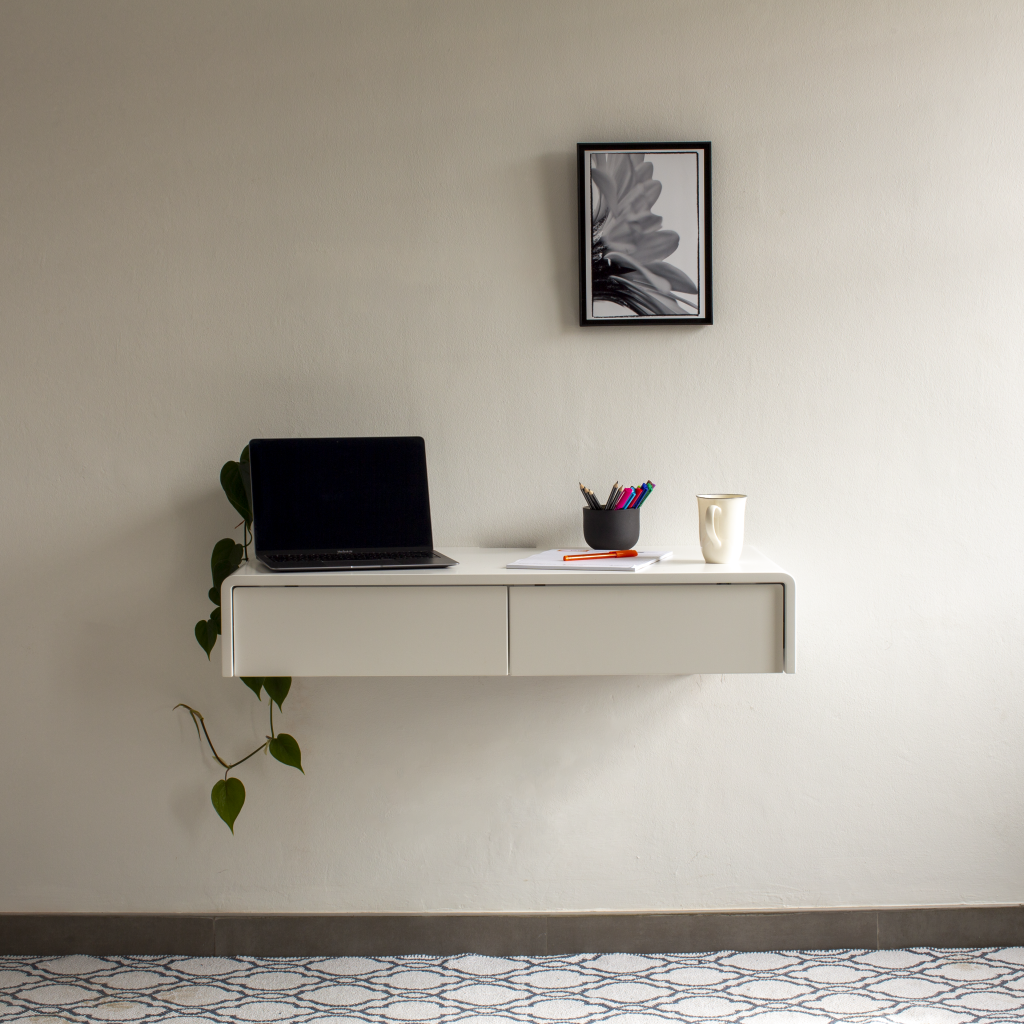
(553, 560)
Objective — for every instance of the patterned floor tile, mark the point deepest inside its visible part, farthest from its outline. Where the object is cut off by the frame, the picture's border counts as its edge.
(910, 986)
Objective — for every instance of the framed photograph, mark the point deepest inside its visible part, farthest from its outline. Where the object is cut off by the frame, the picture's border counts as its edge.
(645, 232)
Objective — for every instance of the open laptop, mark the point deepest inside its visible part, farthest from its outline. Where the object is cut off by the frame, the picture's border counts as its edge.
(342, 503)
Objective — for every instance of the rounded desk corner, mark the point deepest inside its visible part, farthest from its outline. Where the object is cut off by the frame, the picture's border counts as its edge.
(789, 624)
(227, 661)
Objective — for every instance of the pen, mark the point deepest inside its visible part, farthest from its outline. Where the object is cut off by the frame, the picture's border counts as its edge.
(627, 494)
(604, 554)
(650, 487)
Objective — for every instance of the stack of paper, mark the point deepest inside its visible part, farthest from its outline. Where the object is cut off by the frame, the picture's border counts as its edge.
(553, 559)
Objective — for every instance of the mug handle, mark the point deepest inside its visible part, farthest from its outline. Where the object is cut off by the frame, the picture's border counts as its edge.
(709, 525)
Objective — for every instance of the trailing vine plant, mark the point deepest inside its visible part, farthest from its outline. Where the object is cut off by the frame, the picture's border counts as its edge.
(228, 793)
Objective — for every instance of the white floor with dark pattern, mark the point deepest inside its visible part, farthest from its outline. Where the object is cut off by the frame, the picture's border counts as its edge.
(910, 986)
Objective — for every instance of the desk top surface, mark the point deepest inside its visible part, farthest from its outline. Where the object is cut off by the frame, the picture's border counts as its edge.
(487, 567)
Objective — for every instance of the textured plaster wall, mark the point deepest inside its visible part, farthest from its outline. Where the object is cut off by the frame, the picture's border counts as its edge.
(223, 220)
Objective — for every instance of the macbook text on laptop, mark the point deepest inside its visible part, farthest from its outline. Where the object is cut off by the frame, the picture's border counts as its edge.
(342, 503)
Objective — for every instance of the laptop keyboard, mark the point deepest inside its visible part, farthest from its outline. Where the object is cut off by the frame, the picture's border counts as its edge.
(333, 556)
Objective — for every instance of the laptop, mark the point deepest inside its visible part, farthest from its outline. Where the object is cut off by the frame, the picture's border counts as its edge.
(342, 503)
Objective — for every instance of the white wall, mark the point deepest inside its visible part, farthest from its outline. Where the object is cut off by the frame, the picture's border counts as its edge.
(223, 220)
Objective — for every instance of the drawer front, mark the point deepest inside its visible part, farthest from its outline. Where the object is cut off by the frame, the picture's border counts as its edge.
(370, 631)
(668, 629)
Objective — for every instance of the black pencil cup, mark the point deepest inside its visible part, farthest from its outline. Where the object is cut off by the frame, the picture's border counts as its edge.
(611, 529)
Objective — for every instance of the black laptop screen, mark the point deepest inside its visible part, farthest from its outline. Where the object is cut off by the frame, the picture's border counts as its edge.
(336, 493)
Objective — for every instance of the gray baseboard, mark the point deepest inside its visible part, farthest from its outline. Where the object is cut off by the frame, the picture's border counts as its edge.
(507, 934)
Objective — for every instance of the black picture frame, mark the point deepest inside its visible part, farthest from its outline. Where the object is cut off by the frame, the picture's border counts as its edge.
(626, 266)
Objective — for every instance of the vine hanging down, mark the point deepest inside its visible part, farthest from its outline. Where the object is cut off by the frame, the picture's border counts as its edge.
(228, 794)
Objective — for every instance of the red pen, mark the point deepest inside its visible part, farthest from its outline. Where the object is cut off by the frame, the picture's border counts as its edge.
(603, 554)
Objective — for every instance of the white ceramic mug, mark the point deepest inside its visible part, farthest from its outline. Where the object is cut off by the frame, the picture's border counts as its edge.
(721, 526)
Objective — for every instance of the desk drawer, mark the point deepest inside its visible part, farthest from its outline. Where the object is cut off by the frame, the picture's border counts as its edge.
(370, 631)
(666, 629)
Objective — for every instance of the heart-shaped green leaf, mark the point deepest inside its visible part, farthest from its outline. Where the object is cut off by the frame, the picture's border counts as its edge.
(245, 472)
(214, 622)
(226, 558)
(222, 551)
(255, 683)
(215, 595)
(221, 571)
(286, 750)
(278, 687)
(227, 798)
(231, 481)
(243, 459)
(206, 637)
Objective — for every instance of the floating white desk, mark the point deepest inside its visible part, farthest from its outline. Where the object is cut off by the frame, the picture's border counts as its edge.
(480, 619)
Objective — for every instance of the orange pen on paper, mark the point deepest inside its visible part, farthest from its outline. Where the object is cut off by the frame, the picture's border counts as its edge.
(604, 554)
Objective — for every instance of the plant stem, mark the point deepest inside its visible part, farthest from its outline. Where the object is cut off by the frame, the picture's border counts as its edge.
(198, 720)
(262, 746)
(271, 719)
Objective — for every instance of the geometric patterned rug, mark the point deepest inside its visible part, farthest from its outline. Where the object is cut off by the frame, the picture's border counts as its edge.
(908, 986)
